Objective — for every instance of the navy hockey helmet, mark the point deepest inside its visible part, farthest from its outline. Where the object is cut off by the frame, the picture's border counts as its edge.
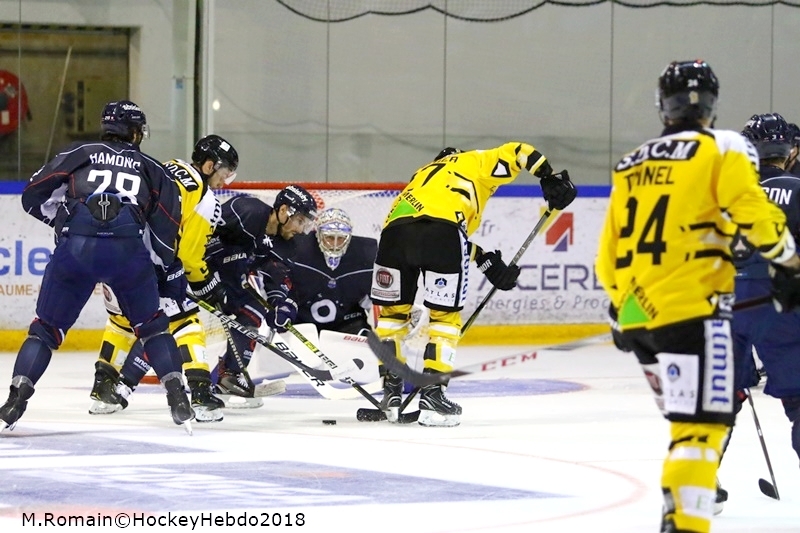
(770, 134)
(687, 92)
(795, 129)
(448, 152)
(298, 202)
(220, 152)
(124, 119)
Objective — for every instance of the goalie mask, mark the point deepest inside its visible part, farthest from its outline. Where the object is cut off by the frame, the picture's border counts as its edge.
(334, 231)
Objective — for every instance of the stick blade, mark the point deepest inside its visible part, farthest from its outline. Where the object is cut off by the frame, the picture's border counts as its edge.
(768, 489)
(386, 353)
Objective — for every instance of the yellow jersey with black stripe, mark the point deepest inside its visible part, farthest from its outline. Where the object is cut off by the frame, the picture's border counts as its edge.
(200, 213)
(455, 189)
(664, 253)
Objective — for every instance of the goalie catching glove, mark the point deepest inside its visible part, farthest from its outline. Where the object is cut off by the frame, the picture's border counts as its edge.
(499, 274)
(282, 314)
(558, 190)
(212, 291)
(785, 288)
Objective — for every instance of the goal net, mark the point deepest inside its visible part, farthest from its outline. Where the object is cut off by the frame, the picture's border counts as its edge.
(366, 204)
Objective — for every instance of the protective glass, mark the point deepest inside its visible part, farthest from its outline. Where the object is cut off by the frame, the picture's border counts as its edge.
(299, 221)
(226, 173)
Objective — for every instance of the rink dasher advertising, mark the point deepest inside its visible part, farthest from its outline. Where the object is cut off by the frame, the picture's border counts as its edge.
(557, 284)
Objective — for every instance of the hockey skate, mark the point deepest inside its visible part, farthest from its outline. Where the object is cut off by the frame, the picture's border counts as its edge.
(392, 396)
(179, 406)
(207, 407)
(722, 497)
(435, 409)
(106, 400)
(237, 390)
(11, 411)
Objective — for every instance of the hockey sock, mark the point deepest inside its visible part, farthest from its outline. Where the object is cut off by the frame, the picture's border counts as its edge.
(33, 358)
(135, 367)
(791, 407)
(162, 352)
(689, 475)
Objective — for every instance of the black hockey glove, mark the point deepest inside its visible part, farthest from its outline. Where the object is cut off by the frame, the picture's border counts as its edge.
(558, 190)
(499, 274)
(172, 282)
(212, 291)
(616, 332)
(283, 313)
(785, 288)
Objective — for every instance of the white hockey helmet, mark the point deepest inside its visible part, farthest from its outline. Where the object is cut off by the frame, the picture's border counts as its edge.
(334, 230)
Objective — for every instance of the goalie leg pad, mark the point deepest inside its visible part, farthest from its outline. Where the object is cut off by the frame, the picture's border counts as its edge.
(689, 477)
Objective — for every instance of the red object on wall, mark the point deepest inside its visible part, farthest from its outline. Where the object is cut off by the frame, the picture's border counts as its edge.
(13, 102)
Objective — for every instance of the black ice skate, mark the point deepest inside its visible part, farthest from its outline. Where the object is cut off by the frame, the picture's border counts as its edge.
(207, 407)
(435, 409)
(20, 391)
(237, 390)
(722, 497)
(106, 400)
(392, 395)
(181, 410)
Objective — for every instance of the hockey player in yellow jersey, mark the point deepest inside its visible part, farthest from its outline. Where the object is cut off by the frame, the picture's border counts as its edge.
(213, 165)
(427, 233)
(664, 259)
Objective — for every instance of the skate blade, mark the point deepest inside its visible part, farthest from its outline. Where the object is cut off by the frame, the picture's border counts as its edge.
(203, 414)
(8, 427)
(430, 418)
(188, 427)
(269, 388)
(238, 402)
(102, 408)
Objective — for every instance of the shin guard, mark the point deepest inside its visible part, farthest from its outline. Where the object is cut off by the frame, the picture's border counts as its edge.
(689, 474)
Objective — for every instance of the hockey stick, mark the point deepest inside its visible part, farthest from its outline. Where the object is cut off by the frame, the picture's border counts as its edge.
(522, 249)
(770, 490)
(279, 349)
(324, 358)
(386, 352)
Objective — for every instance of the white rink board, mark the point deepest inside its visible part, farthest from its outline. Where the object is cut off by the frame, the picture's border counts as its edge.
(557, 284)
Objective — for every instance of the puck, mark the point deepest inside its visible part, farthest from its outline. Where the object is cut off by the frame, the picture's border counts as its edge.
(329, 422)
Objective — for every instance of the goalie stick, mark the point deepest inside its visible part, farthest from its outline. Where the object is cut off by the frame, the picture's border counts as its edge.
(281, 351)
(327, 360)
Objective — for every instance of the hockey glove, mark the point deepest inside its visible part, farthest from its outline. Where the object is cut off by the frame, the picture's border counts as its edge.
(212, 291)
(172, 282)
(499, 274)
(282, 314)
(616, 332)
(785, 288)
(558, 190)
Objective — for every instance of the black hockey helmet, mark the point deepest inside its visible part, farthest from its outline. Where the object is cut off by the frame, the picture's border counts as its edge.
(770, 134)
(687, 92)
(220, 152)
(795, 129)
(298, 202)
(447, 152)
(124, 119)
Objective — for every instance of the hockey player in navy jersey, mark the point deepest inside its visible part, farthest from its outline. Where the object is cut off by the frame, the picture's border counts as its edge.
(331, 273)
(213, 165)
(775, 336)
(115, 212)
(243, 242)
